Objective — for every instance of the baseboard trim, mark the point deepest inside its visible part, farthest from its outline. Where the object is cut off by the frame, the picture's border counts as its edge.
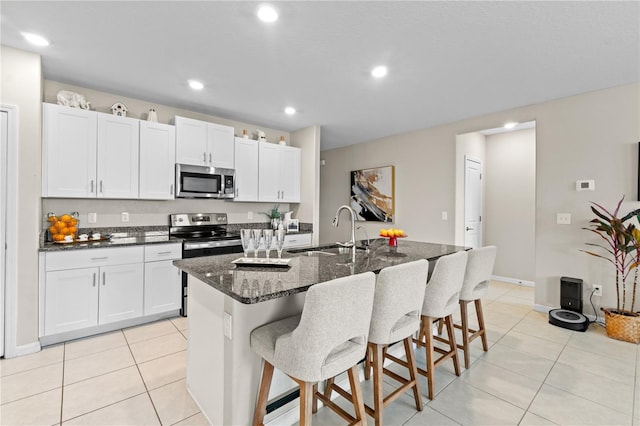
(542, 308)
(29, 348)
(513, 281)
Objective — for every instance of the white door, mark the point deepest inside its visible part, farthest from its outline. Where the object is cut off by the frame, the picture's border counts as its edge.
(472, 203)
(4, 140)
(118, 150)
(191, 141)
(157, 160)
(121, 292)
(268, 172)
(162, 287)
(70, 300)
(290, 174)
(221, 146)
(246, 166)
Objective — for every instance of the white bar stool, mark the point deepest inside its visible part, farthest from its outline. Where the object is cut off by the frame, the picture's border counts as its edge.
(329, 337)
(396, 317)
(440, 300)
(476, 283)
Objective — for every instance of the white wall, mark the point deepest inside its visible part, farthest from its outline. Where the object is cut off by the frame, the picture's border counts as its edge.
(588, 136)
(21, 85)
(510, 202)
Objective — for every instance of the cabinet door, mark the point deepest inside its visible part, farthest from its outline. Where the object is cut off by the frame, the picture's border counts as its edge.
(246, 165)
(70, 300)
(121, 292)
(290, 174)
(162, 287)
(69, 139)
(268, 173)
(157, 160)
(118, 150)
(221, 147)
(191, 141)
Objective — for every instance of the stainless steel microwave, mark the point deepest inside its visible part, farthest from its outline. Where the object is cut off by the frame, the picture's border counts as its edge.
(204, 182)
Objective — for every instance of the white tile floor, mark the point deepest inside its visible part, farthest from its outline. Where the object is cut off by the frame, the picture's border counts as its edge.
(533, 374)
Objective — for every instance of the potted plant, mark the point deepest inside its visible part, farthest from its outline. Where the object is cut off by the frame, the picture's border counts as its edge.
(621, 248)
(274, 216)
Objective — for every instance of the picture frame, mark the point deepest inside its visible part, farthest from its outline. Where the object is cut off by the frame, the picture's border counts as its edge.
(373, 194)
(293, 225)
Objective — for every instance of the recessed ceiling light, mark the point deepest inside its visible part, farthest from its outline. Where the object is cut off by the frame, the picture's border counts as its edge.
(196, 85)
(379, 71)
(290, 110)
(267, 14)
(510, 125)
(35, 39)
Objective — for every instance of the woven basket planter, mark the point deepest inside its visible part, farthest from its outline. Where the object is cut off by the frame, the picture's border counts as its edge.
(625, 327)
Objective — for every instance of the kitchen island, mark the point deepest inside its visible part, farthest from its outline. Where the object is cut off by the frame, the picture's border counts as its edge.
(227, 302)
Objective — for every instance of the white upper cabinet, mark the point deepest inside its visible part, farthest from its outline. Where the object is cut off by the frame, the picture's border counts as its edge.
(86, 154)
(157, 161)
(279, 173)
(204, 144)
(69, 149)
(246, 165)
(118, 150)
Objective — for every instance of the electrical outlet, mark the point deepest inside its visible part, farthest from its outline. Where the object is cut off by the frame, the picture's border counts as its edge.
(563, 218)
(597, 290)
(227, 326)
(124, 217)
(444, 216)
(249, 215)
(92, 218)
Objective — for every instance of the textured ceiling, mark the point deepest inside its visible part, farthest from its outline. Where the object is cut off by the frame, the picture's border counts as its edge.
(447, 60)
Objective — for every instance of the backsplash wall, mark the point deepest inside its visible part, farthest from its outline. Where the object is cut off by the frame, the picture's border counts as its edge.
(153, 213)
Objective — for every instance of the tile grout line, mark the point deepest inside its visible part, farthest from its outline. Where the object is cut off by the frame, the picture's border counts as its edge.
(64, 361)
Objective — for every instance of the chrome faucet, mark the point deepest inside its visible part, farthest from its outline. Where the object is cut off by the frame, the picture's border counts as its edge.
(366, 234)
(336, 221)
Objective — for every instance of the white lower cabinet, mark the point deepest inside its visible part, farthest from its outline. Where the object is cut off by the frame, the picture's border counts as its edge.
(297, 240)
(121, 293)
(71, 300)
(162, 280)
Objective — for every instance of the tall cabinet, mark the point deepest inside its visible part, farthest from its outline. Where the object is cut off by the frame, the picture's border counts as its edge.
(118, 150)
(246, 165)
(157, 160)
(279, 173)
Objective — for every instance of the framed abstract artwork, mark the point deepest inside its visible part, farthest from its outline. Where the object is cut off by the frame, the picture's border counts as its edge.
(372, 194)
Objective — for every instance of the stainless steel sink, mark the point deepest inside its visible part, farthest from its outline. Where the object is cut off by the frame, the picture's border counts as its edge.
(317, 253)
(329, 250)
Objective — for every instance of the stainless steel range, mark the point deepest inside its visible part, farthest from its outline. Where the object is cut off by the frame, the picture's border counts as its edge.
(203, 234)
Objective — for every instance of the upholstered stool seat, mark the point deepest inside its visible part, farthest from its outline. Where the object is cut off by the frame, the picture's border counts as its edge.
(396, 317)
(440, 300)
(328, 338)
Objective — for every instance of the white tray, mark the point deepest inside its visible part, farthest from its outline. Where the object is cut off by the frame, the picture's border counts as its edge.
(261, 261)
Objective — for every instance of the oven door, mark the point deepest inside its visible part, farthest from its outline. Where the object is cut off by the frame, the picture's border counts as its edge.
(203, 182)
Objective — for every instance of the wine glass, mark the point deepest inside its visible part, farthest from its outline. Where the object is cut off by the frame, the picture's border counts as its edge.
(245, 236)
(257, 234)
(268, 239)
(280, 233)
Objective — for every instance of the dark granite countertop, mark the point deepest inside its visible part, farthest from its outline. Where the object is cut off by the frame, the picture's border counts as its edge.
(118, 239)
(249, 284)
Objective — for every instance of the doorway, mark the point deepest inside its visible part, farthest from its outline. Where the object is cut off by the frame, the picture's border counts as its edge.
(495, 183)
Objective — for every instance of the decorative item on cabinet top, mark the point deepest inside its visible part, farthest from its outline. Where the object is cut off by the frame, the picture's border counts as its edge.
(119, 109)
(63, 228)
(72, 99)
(262, 136)
(152, 116)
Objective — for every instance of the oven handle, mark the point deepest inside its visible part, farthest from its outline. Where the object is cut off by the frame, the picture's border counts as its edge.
(211, 244)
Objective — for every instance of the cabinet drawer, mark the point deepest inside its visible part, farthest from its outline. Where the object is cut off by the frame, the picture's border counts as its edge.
(297, 240)
(93, 257)
(156, 252)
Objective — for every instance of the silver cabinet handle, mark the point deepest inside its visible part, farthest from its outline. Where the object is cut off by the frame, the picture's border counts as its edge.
(101, 187)
(237, 189)
(94, 279)
(204, 157)
(164, 252)
(104, 278)
(171, 189)
(278, 194)
(99, 258)
(469, 229)
(91, 186)
(283, 194)
(210, 158)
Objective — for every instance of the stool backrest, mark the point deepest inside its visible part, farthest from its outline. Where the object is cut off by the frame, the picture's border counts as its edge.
(333, 328)
(443, 289)
(478, 273)
(398, 301)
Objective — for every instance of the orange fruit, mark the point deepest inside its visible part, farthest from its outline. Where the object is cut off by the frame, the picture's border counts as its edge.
(384, 233)
(53, 229)
(58, 237)
(53, 219)
(72, 230)
(73, 222)
(61, 225)
(65, 218)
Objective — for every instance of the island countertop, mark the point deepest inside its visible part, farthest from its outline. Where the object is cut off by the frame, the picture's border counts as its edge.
(250, 284)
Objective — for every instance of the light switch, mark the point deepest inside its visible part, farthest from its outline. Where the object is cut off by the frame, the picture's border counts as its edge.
(444, 216)
(227, 325)
(563, 219)
(250, 215)
(92, 218)
(124, 217)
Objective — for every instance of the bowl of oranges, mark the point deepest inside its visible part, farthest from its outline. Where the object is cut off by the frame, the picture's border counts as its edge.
(64, 228)
(393, 235)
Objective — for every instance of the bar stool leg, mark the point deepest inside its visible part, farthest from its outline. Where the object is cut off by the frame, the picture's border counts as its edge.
(465, 332)
(413, 371)
(378, 396)
(263, 394)
(428, 334)
(314, 408)
(483, 330)
(452, 343)
(306, 402)
(367, 364)
(356, 392)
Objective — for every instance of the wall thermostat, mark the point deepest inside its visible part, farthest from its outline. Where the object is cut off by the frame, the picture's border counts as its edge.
(585, 185)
